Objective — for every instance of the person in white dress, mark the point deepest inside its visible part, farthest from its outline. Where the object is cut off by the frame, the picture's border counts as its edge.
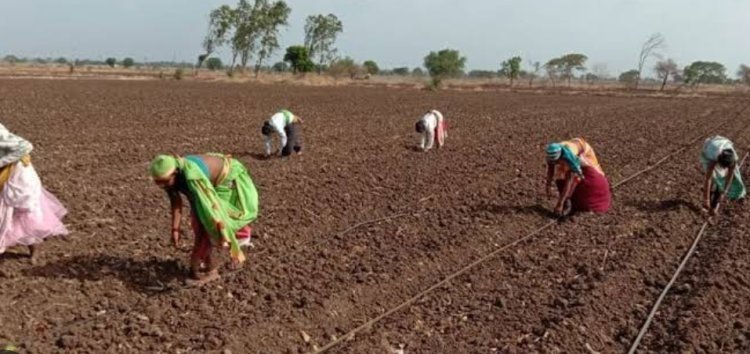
(432, 126)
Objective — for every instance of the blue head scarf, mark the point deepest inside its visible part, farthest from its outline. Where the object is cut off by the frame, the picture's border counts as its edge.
(556, 151)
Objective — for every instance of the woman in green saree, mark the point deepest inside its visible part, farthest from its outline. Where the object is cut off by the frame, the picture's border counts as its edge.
(223, 202)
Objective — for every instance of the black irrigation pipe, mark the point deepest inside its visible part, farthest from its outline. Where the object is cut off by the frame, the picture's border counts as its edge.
(350, 335)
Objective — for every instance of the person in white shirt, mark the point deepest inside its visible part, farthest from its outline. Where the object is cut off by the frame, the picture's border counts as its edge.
(283, 123)
(432, 126)
(722, 177)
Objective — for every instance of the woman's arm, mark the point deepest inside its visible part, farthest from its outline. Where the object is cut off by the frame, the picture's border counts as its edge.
(567, 191)
(550, 175)
(175, 201)
(707, 185)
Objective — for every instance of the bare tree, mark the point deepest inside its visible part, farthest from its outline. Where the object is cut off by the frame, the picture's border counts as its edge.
(664, 69)
(533, 73)
(219, 25)
(655, 42)
(600, 70)
(744, 74)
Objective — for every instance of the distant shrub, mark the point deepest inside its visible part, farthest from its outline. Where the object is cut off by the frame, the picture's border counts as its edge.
(111, 62)
(214, 64)
(344, 67)
(401, 71)
(280, 67)
(629, 77)
(178, 73)
(371, 67)
(12, 59)
(128, 62)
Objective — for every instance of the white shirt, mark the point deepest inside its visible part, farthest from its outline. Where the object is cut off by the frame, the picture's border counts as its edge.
(278, 122)
(430, 120)
(12, 147)
(712, 148)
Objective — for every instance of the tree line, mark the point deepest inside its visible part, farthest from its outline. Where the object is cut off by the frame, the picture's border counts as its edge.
(127, 62)
(251, 31)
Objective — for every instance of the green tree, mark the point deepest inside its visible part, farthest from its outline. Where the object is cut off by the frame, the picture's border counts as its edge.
(61, 60)
(299, 59)
(320, 36)
(417, 72)
(664, 69)
(704, 72)
(111, 62)
(444, 64)
(272, 17)
(744, 74)
(128, 62)
(220, 22)
(565, 66)
(371, 67)
(629, 77)
(247, 30)
(511, 68)
(214, 63)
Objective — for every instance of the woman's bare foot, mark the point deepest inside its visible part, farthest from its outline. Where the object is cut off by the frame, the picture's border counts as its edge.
(204, 279)
(32, 255)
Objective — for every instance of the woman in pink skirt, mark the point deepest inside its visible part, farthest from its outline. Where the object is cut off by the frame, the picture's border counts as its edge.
(28, 212)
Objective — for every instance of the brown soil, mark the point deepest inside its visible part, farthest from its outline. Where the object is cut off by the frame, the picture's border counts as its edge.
(117, 285)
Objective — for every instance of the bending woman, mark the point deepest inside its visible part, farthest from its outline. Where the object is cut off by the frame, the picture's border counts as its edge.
(223, 202)
(28, 212)
(722, 176)
(572, 166)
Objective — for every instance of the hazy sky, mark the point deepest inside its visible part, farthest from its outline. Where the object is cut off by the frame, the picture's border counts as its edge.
(396, 32)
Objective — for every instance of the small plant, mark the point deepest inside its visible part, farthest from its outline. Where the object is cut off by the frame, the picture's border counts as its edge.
(230, 73)
(178, 74)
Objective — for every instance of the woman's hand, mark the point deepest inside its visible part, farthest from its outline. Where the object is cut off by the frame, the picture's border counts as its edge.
(559, 209)
(176, 238)
(550, 190)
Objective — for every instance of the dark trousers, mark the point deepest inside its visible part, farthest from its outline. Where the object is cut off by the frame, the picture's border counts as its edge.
(292, 140)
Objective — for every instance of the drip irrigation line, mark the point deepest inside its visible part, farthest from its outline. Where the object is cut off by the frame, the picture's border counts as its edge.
(447, 279)
(349, 335)
(676, 274)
